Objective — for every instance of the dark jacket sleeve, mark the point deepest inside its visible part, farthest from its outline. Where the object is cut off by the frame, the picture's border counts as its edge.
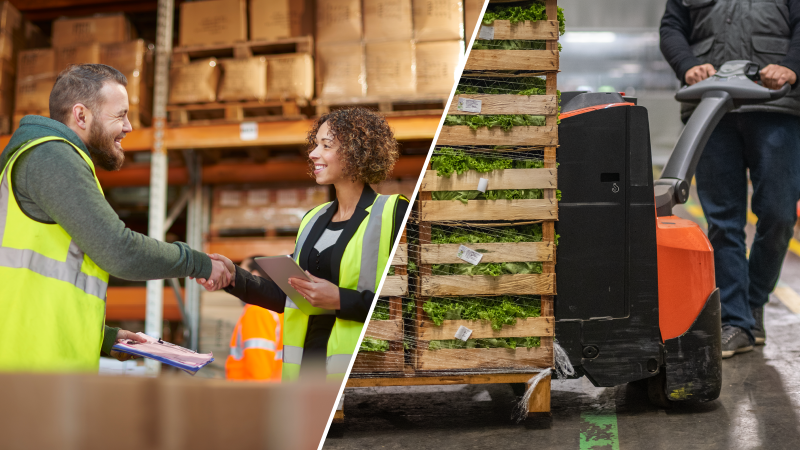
(792, 58)
(676, 27)
(355, 304)
(257, 291)
(109, 339)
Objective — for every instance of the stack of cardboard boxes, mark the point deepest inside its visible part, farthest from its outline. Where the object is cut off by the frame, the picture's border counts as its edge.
(221, 27)
(395, 49)
(109, 40)
(14, 33)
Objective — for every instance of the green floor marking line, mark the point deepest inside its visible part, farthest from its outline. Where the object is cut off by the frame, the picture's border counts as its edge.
(599, 431)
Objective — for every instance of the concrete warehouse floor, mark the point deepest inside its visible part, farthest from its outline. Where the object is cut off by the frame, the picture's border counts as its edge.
(758, 408)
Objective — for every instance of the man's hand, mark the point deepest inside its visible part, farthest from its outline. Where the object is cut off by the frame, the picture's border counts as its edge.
(320, 293)
(699, 73)
(123, 335)
(774, 76)
(222, 273)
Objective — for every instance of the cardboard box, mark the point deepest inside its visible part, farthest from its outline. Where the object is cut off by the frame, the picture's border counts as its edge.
(92, 30)
(290, 76)
(437, 63)
(135, 60)
(219, 312)
(472, 15)
(340, 70)
(390, 69)
(36, 63)
(213, 22)
(275, 19)
(11, 32)
(387, 20)
(438, 20)
(338, 20)
(33, 94)
(243, 79)
(195, 82)
(84, 54)
(263, 208)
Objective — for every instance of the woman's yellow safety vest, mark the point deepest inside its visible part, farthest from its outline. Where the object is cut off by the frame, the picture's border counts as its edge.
(52, 295)
(361, 268)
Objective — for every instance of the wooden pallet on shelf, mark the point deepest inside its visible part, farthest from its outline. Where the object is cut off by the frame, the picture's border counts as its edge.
(301, 44)
(400, 106)
(395, 287)
(228, 112)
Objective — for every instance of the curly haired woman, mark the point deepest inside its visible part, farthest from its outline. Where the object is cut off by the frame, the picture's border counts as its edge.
(343, 245)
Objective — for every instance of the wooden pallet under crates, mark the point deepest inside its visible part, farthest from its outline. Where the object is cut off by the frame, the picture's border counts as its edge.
(423, 368)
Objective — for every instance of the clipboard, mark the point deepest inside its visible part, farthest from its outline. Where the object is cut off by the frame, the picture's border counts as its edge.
(187, 360)
(280, 269)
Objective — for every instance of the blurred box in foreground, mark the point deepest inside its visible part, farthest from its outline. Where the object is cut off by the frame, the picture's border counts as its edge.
(290, 76)
(437, 20)
(213, 22)
(195, 82)
(275, 19)
(243, 79)
(340, 70)
(338, 20)
(174, 412)
(437, 63)
(387, 20)
(92, 30)
(390, 68)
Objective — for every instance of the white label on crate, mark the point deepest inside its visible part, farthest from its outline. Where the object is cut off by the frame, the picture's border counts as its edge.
(486, 33)
(248, 131)
(469, 105)
(469, 255)
(463, 333)
(483, 183)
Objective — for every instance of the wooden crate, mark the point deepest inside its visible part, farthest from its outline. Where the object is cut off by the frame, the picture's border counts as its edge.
(301, 44)
(226, 112)
(395, 287)
(413, 105)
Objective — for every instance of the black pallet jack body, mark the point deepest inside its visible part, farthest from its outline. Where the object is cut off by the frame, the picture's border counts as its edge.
(637, 298)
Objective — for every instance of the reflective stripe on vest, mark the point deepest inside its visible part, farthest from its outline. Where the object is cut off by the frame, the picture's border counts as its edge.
(46, 279)
(237, 351)
(364, 260)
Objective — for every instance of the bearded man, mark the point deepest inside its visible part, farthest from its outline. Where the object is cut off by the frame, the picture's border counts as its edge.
(59, 237)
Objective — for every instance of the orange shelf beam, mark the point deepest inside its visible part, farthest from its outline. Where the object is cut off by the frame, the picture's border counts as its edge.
(128, 303)
(269, 134)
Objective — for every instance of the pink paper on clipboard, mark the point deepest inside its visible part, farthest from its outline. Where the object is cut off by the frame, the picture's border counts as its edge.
(163, 351)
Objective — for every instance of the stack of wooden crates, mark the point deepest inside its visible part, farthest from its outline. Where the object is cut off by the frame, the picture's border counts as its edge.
(485, 365)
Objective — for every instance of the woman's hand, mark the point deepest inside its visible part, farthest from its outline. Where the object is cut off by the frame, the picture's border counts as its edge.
(320, 293)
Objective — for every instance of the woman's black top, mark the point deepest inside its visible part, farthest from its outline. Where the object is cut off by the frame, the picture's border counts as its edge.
(320, 263)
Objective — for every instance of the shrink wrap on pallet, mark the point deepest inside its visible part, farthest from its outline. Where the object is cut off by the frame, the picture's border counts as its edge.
(276, 19)
(340, 70)
(387, 20)
(390, 68)
(100, 30)
(213, 22)
(438, 20)
(195, 82)
(338, 20)
(290, 76)
(437, 63)
(243, 79)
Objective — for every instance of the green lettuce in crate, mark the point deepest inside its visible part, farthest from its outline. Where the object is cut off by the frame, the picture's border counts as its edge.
(535, 12)
(441, 234)
(518, 86)
(501, 310)
(511, 343)
(505, 121)
(373, 345)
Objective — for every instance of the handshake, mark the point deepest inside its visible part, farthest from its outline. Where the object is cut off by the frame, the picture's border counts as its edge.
(223, 273)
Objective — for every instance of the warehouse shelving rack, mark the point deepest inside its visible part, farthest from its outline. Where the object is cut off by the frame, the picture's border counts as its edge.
(172, 302)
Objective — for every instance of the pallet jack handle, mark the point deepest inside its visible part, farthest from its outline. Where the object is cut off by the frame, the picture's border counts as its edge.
(733, 86)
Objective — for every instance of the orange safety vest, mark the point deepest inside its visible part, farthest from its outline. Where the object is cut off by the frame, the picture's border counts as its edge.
(256, 346)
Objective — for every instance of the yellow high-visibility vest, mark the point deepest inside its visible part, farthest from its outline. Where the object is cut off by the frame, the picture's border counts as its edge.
(361, 268)
(52, 295)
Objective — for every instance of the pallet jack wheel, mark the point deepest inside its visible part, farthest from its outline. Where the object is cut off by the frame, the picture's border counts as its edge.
(656, 390)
